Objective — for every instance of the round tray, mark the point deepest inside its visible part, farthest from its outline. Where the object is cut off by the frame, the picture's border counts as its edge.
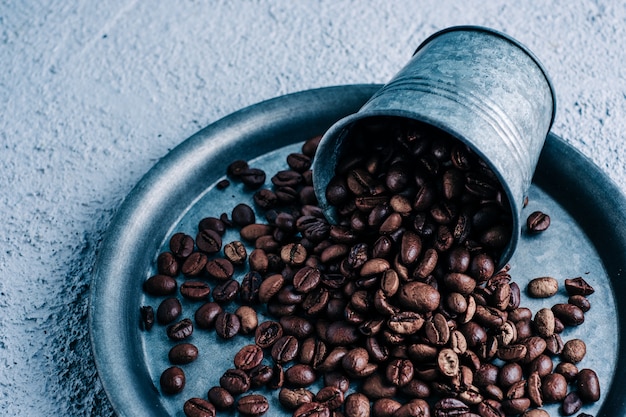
(587, 238)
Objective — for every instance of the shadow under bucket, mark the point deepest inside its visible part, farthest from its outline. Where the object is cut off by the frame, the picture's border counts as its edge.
(481, 87)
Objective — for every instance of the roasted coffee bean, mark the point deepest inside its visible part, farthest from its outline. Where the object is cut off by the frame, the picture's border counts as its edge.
(180, 330)
(243, 215)
(194, 265)
(252, 178)
(450, 407)
(147, 317)
(235, 381)
(172, 380)
(248, 357)
(265, 198)
(571, 404)
(357, 405)
(537, 222)
(221, 398)
(588, 385)
(226, 291)
(569, 314)
(385, 407)
(543, 287)
(235, 168)
(250, 287)
(167, 264)
(207, 313)
(235, 252)
(220, 268)
(254, 231)
(248, 319)
(160, 285)
(261, 375)
(544, 322)
(296, 326)
(406, 322)
(168, 310)
(418, 296)
(195, 290)
(198, 407)
(293, 254)
(399, 372)
(212, 223)
(332, 397)
(515, 405)
(267, 333)
(227, 325)
(553, 388)
(568, 370)
(209, 241)
(490, 408)
(300, 375)
(183, 353)
(580, 301)
(285, 349)
(574, 351)
(578, 286)
(313, 409)
(270, 286)
(253, 405)
(181, 245)
(542, 364)
(337, 380)
(294, 398)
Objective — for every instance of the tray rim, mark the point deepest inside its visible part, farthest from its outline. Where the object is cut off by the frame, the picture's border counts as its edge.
(219, 133)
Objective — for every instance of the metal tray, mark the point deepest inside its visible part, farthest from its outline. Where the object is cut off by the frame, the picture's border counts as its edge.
(587, 238)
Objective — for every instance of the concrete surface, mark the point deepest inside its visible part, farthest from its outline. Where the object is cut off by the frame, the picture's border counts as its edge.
(92, 94)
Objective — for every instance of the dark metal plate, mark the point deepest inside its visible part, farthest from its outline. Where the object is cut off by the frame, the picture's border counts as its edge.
(587, 238)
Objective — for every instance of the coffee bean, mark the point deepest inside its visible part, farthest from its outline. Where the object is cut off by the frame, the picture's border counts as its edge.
(253, 178)
(544, 322)
(248, 357)
(267, 333)
(385, 407)
(206, 315)
(220, 268)
(169, 310)
(235, 381)
(198, 407)
(160, 285)
(578, 286)
(227, 325)
(194, 264)
(399, 372)
(209, 241)
(243, 215)
(568, 370)
(313, 409)
(537, 412)
(147, 317)
(588, 385)
(235, 252)
(226, 291)
(331, 397)
(253, 405)
(294, 398)
(574, 351)
(248, 319)
(270, 287)
(543, 287)
(285, 349)
(235, 168)
(537, 222)
(250, 287)
(300, 375)
(571, 404)
(181, 245)
(553, 388)
(221, 398)
(183, 354)
(180, 330)
(213, 223)
(261, 375)
(580, 301)
(419, 297)
(172, 380)
(357, 405)
(569, 314)
(195, 290)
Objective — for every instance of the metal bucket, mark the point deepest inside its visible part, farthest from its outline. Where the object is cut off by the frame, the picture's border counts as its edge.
(479, 85)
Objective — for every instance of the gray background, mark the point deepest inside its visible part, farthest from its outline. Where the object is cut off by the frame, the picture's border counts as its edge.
(92, 94)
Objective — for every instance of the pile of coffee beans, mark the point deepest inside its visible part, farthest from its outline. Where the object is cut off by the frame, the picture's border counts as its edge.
(398, 310)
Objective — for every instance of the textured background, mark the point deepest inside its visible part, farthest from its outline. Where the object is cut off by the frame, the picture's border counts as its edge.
(92, 94)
